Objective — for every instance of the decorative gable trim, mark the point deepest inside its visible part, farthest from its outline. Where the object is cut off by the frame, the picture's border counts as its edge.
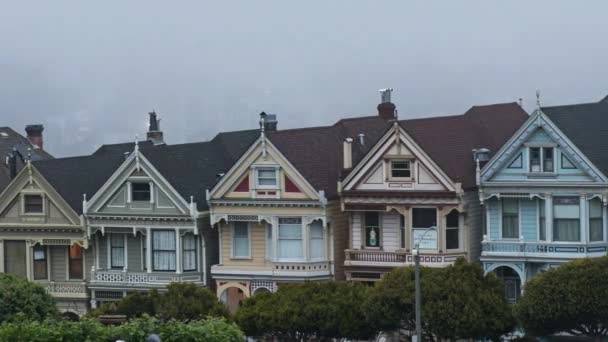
(30, 175)
(539, 120)
(136, 162)
(261, 147)
(396, 135)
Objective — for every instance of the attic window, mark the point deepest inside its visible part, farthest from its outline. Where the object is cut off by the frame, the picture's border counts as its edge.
(266, 178)
(541, 159)
(400, 169)
(32, 204)
(140, 191)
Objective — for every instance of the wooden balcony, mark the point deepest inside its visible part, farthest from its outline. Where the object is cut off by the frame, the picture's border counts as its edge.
(139, 279)
(549, 250)
(67, 289)
(378, 258)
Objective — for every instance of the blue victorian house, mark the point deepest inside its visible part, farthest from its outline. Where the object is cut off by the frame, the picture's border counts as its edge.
(545, 193)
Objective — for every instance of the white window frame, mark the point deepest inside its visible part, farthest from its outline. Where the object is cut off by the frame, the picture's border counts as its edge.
(196, 262)
(84, 266)
(257, 179)
(150, 186)
(269, 242)
(46, 262)
(414, 229)
(323, 239)
(41, 195)
(232, 249)
(410, 168)
(602, 206)
(302, 237)
(458, 228)
(501, 204)
(542, 159)
(580, 216)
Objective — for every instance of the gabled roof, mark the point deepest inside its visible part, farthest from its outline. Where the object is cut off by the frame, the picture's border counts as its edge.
(449, 140)
(586, 125)
(9, 139)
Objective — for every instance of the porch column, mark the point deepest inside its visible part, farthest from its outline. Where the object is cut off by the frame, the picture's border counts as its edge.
(275, 238)
(148, 250)
(178, 252)
(126, 242)
(549, 217)
(1, 256)
(28, 259)
(583, 216)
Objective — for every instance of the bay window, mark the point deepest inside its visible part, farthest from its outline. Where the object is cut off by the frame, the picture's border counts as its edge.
(117, 251)
(372, 229)
(75, 264)
(269, 243)
(317, 246)
(452, 233)
(596, 220)
(566, 219)
(542, 229)
(510, 218)
(163, 250)
(189, 252)
(40, 262)
(240, 240)
(422, 220)
(541, 159)
(290, 238)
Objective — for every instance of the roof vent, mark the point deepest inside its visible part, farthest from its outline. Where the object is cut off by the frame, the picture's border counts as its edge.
(4, 134)
(481, 154)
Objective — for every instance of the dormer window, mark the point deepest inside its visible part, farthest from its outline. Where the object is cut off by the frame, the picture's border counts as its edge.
(140, 192)
(401, 169)
(32, 204)
(541, 159)
(267, 178)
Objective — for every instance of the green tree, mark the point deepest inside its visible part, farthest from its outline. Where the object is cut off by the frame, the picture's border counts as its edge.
(320, 310)
(182, 301)
(572, 299)
(21, 299)
(458, 302)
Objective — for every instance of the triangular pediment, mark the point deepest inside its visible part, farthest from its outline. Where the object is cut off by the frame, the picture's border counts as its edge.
(137, 188)
(263, 173)
(540, 152)
(396, 162)
(49, 208)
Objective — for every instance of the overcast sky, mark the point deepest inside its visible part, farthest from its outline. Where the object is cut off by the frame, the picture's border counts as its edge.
(91, 70)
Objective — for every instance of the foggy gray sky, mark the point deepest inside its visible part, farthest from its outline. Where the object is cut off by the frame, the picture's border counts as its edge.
(91, 70)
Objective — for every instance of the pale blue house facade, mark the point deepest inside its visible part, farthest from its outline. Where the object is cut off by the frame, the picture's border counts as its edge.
(544, 199)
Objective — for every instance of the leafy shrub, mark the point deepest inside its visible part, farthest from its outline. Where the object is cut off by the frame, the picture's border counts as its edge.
(23, 300)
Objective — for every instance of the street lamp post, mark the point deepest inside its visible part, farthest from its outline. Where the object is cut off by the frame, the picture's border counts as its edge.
(418, 310)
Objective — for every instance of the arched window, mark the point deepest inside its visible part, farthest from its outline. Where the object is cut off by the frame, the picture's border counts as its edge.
(452, 231)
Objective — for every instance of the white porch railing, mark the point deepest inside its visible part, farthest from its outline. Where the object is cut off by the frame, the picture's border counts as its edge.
(67, 289)
(129, 278)
(357, 257)
(542, 249)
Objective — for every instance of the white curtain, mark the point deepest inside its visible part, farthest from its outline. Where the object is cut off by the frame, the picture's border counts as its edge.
(241, 240)
(510, 218)
(596, 222)
(317, 250)
(189, 252)
(566, 219)
(163, 250)
(269, 244)
(117, 249)
(290, 238)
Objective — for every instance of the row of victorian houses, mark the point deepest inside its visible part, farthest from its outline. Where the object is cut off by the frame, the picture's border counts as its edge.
(250, 210)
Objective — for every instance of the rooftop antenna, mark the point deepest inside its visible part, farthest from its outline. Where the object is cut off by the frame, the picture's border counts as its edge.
(538, 98)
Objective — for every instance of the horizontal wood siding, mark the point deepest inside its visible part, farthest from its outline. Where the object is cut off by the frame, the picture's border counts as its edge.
(473, 225)
(528, 220)
(390, 231)
(339, 226)
(258, 246)
(134, 249)
(59, 261)
(356, 230)
(89, 260)
(103, 251)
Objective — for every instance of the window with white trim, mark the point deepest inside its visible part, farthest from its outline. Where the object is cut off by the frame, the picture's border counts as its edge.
(266, 178)
(542, 226)
(32, 204)
(40, 262)
(75, 262)
(510, 218)
(422, 220)
(596, 220)
(290, 238)
(240, 240)
(163, 250)
(402, 229)
(317, 246)
(117, 251)
(566, 219)
(452, 231)
(401, 169)
(189, 252)
(541, 159)
(372, 229)
(140, 192)
(269, 243)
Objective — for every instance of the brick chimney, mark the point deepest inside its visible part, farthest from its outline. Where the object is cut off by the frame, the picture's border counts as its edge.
(270, 121)
(386, 109)
(34, 135)
(154, 134)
